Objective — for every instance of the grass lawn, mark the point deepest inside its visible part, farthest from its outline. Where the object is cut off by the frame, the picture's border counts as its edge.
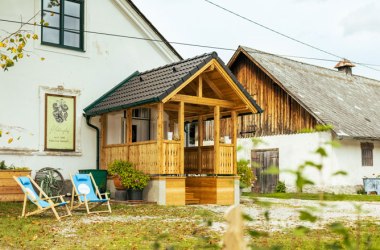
(152, 227)
(128, 227)
(326, 196)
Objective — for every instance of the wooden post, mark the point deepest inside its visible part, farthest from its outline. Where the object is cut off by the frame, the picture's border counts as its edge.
(103, 141)
(160, 137)
(181, 134)
(234, 138)
(200, 86)
(129, 127)
(200, 143)
(128, 140)
(216, 139)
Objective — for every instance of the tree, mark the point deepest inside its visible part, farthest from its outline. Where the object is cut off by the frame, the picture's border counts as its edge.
(13, 44)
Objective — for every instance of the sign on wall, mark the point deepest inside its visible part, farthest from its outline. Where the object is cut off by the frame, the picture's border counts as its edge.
(59, 122)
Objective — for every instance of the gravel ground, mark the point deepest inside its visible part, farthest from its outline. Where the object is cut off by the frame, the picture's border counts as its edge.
(284, 214)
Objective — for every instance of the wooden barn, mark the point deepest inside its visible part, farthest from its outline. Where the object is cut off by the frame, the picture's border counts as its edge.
(296, 96)
(145, 118)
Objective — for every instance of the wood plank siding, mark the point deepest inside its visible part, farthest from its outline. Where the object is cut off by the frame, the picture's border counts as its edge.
(282, 114)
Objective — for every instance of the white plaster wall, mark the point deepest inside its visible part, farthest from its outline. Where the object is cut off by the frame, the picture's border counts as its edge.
(293, 150)
(348, 158)
(298, 148)
(105, 62)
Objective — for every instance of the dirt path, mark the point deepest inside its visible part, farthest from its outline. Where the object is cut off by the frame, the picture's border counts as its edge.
(284, 214)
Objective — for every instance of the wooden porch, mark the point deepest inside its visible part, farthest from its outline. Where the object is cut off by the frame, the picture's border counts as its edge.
(158, 141)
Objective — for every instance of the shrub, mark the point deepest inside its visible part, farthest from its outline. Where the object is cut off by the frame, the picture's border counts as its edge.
(129, 176)
(280, 187)
(245, 173)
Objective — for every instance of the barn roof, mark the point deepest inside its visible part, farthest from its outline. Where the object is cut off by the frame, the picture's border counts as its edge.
(350, 103)
(154, 85)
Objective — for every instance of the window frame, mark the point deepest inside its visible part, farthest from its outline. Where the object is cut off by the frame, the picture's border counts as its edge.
(366, 153)
(61, 27)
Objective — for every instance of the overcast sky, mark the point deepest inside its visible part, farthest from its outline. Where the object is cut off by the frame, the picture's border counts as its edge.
(348, 28)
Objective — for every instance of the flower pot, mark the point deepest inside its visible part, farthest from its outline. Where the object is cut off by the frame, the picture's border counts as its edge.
(117, 183)
(135, 194)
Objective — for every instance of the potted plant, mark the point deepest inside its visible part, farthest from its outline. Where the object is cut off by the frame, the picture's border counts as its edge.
(245, 173)
(119, 169)
(10, 191)
(136, 181)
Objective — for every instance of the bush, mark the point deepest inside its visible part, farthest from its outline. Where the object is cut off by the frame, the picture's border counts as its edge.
(245, 173)
(129, 176)
(280, 187)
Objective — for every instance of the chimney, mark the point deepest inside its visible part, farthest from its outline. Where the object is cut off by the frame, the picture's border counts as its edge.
(345, 66)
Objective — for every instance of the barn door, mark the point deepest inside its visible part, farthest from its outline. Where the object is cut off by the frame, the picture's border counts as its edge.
(261, 160)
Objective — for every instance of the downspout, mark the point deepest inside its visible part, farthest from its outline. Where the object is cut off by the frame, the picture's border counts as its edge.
(88, 118)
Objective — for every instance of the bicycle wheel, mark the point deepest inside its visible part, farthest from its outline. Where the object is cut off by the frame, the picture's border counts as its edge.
(50, 180)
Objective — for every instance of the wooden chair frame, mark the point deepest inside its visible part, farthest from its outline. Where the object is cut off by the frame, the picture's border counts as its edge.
(75, 193)
(41, 209)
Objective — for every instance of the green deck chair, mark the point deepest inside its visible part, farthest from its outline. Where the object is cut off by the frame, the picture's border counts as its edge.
(41, 200)
(83, 190)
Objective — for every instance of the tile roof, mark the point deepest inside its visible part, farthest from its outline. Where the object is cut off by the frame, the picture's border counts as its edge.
(154, 85)
(350, 103)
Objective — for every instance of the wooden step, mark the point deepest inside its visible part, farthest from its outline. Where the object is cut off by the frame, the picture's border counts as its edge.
(190, 199)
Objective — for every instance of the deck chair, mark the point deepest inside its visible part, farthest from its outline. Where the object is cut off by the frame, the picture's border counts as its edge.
(83, 191)
(41, 200)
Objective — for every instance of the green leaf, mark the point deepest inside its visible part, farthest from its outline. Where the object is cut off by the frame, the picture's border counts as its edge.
(256, 234)
(247, 217)
(301, 230)
(306, 216)
(340, 172)
(271, 170)
(321, 151)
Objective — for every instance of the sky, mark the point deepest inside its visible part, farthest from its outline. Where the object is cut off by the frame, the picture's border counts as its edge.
(347, 28)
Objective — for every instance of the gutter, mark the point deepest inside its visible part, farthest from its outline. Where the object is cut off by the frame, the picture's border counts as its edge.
(88, 118)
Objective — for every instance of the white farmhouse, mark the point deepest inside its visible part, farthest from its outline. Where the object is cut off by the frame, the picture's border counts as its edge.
(88, 46)
(296, 96)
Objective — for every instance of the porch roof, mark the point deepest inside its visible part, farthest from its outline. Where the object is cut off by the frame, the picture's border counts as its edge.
(154, 85)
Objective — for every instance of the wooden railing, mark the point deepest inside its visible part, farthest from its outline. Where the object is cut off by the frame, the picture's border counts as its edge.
(171, 157)
(226, 159)
(144, 156)
(200, 160)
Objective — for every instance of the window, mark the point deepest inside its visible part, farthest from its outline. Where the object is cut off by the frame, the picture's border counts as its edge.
(367, 153)
(64, 24)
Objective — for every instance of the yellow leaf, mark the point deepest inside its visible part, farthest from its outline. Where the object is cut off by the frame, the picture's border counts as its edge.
(20, 55)
(42, 58)
(10, 140)
(2, 45)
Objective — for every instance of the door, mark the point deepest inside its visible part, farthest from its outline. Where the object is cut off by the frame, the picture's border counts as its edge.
(261, 160)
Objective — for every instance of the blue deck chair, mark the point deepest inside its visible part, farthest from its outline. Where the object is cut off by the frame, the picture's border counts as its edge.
(40, 199)
(83, 190)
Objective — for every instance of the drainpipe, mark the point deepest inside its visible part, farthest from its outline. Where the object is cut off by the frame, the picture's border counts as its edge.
(88, 118)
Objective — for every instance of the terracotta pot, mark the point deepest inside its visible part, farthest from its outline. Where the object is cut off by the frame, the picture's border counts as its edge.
(117, 183)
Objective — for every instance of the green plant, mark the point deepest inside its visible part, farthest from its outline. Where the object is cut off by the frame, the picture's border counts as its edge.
(280, 187)
(245, 173)
(129, 176)
(3, 166)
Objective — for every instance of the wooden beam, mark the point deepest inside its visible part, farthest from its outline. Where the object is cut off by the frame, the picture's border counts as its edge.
(234, 139)
(129, 127)
(203, 101)
(200, 143)
(103, 141)
(160, 136)
(168, 97)
(232, 84)
(216, 139)
(200, 86)
(189, 109)
(181, 133)
(213, 86)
